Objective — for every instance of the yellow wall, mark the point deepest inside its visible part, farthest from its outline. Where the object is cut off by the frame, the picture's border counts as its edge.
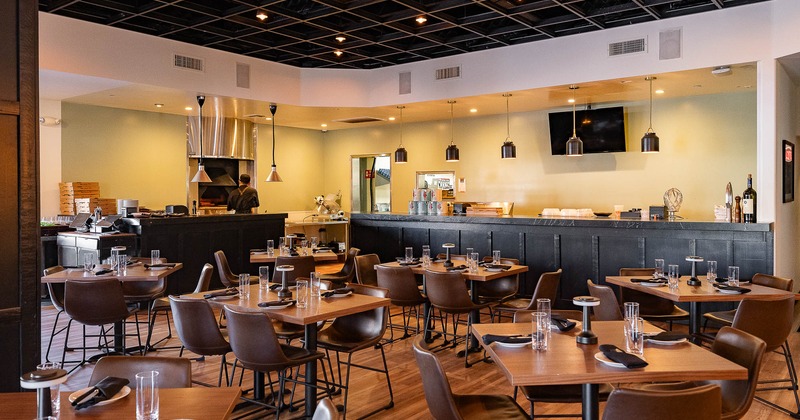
(706, 141)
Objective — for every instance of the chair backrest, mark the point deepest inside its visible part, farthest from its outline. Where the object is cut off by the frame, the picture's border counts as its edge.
(262, 351)
(365, 269)
(697, 403)
(144, 290)
(773, 281)
(197, 326)
(326, 410)
(349, 267)
(173, 372)
(502, 287)
(303, 267)
(608, 310)
(547, 287)
(770, 321)
(366, 327)
(447, 291)
(95, 302)
(204, 282)
(648, 304)
(401, 283)
(747, 351)
(55, 290)
(226, 276)
(438, 394)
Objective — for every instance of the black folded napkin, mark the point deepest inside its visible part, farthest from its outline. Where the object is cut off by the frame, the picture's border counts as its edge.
(101, 391)
(226, 292)
(293, 253)
(615, 354)
(103, 271)
(339, 291)
(500, 266)
(508, 339)
(274, 303)
(668, 336)
(275, 286)
(741, 290)
(457, 267)
(562, 323)
(652, 280)
(168, 265)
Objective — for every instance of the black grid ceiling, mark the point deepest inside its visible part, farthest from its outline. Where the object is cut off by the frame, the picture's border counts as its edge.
(379, 33)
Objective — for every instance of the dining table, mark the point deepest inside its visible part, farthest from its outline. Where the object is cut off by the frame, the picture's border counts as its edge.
(697, 295)
(174, 403)
(566, 362)
(318, 309)
(257, 257)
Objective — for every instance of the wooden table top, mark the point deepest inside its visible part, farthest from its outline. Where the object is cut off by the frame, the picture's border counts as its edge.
(136, 272)
(174, 403)
(318, 256)
(567, 362)
(481, 275)
(318, 309)
(702, 293)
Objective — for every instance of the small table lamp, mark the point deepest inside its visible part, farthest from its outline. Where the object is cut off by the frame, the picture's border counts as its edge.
(447, 247)
(694, 259)
(284, 292)
(41, 381)
(586, 336)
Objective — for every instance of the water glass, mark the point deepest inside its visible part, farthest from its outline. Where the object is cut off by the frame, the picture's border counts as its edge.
(55, 395)
(302, 293)
(631, 310)
(674, 276)
(304, 246)
(122, 265)
(155, 256)
(147, 395)
(496, 256)
(88, 261)
(540, 333)
(244, 286)
(263, 278)
(469, 254)
(634, 335)
(314, 242)
(543, 306)
(270, 247)
(473, 262)
(282, 245)
(711, 274)
(426, 257)
(733, 276)
(409, 254)
(316, 284)
(659, 267)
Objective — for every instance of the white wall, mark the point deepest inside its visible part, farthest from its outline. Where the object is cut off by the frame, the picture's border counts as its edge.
(787, 240)
(49, 159)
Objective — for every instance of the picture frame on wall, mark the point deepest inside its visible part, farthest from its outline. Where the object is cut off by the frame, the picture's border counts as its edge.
(788, 171)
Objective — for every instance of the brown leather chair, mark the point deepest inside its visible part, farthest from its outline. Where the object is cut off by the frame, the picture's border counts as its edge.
(651, 308)
(360, 331)
(726, 317)
(698, 403)
(96, 302)
(56, 292)
(743, 349)
(198, 331)
(499, 290)
(144, 294)
(326, 410)
(303, 267)
(546, 288)
(403, 291)
(447, 293)
(444, 404)
(226, 276)
(261, 351)
(608, 309)
(365, 269)
(173, 372)
(348, 271)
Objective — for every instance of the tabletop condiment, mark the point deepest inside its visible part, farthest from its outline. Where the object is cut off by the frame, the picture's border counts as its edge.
(737, 211)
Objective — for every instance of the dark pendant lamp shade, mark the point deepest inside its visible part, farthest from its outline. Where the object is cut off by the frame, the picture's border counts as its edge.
(451, 153)
(650, 139)
(508, 150)
(273, 173)
(574, 144)
(401, 155)
(201, 175)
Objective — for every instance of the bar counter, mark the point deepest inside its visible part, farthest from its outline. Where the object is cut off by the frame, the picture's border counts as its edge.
(586, 248)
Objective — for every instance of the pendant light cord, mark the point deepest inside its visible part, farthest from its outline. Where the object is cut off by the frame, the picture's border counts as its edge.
(201, 99)
(452, 131)
(508, 123)
(401, 125)
(272, 109)
(650, 128)
(574, 131)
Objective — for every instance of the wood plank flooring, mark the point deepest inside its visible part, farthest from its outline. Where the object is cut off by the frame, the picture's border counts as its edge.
(368, 389)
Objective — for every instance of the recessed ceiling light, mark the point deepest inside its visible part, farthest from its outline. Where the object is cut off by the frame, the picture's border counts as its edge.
(570, 100)
(323, 125)
(268, 118)
(159, 105)
(659, 91)
(188, 108)
(421, 19)
(261, 15)
(391, 118)
(473, 110)
(338, 53)
(341, 38)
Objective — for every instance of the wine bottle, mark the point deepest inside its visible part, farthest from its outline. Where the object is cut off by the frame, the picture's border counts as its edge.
(749, 203)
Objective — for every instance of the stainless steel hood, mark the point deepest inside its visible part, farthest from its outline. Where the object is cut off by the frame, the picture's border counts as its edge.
(222, 138)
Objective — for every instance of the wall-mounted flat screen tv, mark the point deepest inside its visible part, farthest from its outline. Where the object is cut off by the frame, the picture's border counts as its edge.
(602, 130)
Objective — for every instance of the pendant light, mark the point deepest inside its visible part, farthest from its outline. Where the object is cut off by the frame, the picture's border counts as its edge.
(201, 175)
(400, 155)
(508, 150)
(273, 174)
(650, 139)
(451, 153)
(574, 144)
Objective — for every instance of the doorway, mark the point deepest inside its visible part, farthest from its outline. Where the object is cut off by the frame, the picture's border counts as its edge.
(371, 183)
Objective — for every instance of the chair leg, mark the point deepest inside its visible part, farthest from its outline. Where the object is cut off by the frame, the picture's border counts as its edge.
(793, 386)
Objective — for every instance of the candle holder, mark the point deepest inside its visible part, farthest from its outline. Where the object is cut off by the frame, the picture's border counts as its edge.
(41, 380)
(586, 336)
(694, 259)
(447, 247)
(290, 241)
(284, 292)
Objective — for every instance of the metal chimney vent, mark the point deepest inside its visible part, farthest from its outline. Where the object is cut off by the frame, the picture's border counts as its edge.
(448, 73)
(359, 120)
(627, 47)
(186, 62)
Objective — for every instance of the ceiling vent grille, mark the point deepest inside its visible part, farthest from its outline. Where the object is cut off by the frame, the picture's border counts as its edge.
(359, 120)
(448, 73)
(186, 62)
(632, 46)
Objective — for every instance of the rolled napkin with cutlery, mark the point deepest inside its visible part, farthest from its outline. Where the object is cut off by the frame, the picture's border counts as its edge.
(650, 280)
(275, 303)
(741, 290)
(668, 336)
(159, 265)
(563, 324)
(103, 271)
(508, 339)
(226, 292)
(615, 354)
(456, 268)
(339, 291)
(101, 391)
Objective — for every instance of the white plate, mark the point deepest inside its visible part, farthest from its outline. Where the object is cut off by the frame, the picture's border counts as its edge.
(577, 326)
(600, 357)
(729, 292)
(513, 345)
(666, 343)
(259, 253)
(119, 395)
(494, 270)
(648, 284)
(277, 306)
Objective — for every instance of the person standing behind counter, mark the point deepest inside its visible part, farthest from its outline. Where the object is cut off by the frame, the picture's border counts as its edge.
(244, 198)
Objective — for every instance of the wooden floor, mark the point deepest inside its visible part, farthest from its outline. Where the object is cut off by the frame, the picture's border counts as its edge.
(368, 389)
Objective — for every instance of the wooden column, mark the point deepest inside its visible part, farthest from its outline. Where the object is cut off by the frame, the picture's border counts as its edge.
(19, 192)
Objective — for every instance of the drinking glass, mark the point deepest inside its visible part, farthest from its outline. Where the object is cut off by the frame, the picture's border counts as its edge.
(263, 277)
(673, 276)
(733, 276)
(302, 293)
(314, 242)
(659, 267)
(426, 257)
(543, 306)
(540, 331)
(409, 254)
(270, 247)
(634, 335)
(122, 265)
(316, 283)
(88, 261)
(631, 310)
(473, 262)
(282, 245)
(711, 274)
(155, 256)
(304, 245)
(244, 286)
(147, 395)
(469, 255)
(55, 395)
(496, 256)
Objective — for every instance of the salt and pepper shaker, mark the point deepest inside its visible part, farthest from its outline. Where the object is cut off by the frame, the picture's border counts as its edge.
(737, 212)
